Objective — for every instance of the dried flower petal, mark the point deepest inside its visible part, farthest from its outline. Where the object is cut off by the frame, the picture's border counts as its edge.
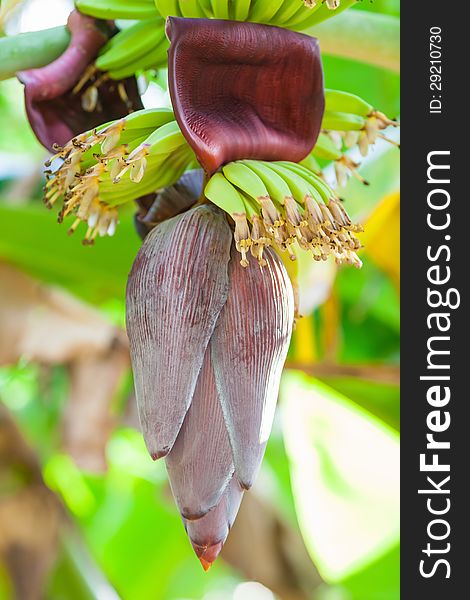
(244, 90)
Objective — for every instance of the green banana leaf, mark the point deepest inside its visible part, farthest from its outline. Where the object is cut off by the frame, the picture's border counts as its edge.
(32, 240)
(345, 474)
(380, 399)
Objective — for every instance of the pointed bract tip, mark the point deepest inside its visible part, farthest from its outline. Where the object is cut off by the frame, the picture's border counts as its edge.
(207, 554)
(157, 454)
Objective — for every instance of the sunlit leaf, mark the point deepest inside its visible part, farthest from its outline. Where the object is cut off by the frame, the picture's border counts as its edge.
(378, 581)
(32, 240)
(370, 315)
(380, 399)
(344, 474)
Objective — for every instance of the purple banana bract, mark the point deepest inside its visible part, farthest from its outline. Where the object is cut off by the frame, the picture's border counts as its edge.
(244, 90)
(208, 342)
(67, 97)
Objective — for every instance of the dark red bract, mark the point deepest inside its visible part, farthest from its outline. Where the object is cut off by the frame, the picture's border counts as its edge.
(54, 111)
(244, 90)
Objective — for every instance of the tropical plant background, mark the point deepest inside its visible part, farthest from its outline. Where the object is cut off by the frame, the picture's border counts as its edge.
(84, 512)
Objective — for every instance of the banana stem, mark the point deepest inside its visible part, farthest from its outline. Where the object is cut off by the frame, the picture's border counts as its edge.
(359, 35)
(31, 50)
(88, 580)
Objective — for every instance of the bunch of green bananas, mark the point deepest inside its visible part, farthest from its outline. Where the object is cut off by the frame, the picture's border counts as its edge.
(99, 169)
(348, 121)
(118, 9)
(271, 203)
(345, 112)
(294, 14)
(141, 46)
(283, 204)
(260, 11)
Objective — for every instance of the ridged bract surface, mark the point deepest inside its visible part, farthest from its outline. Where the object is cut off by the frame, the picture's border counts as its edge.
(176, 290)
(248, 350)
(200, 463)
(58, 120)
(169, 202)
(176, 198)
(244, 90)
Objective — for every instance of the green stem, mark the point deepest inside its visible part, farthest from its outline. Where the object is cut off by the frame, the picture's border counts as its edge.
(77, 575)
(368, 37)
(31, 50)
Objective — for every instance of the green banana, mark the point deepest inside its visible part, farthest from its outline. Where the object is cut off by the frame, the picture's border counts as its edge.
(117, 9)
(126, 33)
(262, 11)
(241, 10)
(244, 178)
(298, 186)
(206, 8)
(311, 163)
(139, 123)
(319, 189)
(288, 9)
(148, 118)
(191, 9)
(325, 148)
(343, 121)
(154, 59)
(326, 10)
(165, 139)
(345, 102)
(302, 15)
(222, 193)
(220, 9)
(131, 43)
(168, 8)
(251, 206)
(277, 188)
